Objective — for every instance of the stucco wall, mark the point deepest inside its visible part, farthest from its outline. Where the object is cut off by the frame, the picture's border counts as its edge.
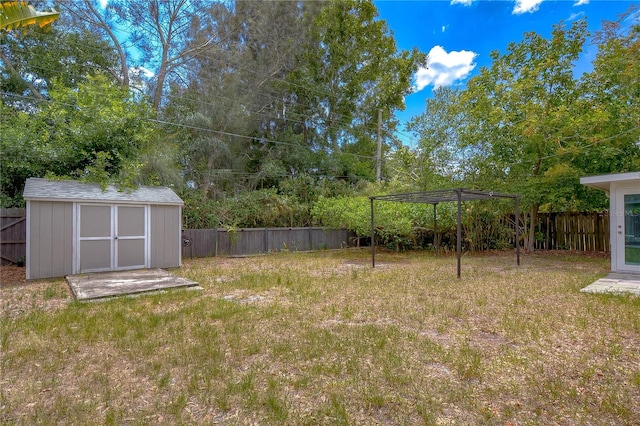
(616, 199)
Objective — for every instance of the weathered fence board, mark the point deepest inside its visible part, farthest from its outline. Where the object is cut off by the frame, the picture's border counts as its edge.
(573, 231)
(13, 236)
(248, 241)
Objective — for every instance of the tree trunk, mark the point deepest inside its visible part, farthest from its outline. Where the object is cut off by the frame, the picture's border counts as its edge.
(531, 240)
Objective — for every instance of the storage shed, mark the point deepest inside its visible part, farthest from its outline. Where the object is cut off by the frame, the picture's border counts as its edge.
(75, 227)
(623, 190)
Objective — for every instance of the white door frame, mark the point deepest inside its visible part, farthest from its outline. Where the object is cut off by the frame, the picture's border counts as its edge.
(113, 237)
(77, 268)
(618, 230)
(117, 238)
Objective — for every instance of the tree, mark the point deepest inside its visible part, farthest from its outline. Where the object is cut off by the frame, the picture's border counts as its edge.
(34, 58)
(351, 69)
(95, 132)
(85, 14)
(515, 123)
(440, 152)
(163, 33)
(242, 131)
(611, 100)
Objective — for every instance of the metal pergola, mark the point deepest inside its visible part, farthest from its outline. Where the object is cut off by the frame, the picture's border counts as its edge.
(441, 196)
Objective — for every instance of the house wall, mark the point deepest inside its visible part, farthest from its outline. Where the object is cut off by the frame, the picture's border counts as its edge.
(617, 217)
(49, 239)
(165, 236)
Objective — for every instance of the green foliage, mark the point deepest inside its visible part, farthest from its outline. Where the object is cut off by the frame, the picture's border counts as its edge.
(307, 189)
(394, 222)
(349, 70)
(35, 59)
(291, 110)
(526, 125)
(255, 209)
(611, 101)
(488, 225)
(287, 206)
(485, 224)
(96, 132)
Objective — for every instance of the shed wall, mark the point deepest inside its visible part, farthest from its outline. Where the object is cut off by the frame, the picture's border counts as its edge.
(49, 239)
(165, 238)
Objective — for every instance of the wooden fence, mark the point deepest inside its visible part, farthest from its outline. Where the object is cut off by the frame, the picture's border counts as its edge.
(573, 231)
(13, 236)
(569, 231)
(248, 241)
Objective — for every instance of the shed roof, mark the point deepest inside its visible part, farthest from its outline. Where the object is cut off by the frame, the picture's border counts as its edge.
(37, 189)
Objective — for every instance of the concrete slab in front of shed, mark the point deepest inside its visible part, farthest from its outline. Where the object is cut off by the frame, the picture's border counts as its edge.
(111, 284)
(616, 283)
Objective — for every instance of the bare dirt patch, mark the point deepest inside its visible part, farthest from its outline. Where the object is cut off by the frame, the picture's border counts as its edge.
(12, 275)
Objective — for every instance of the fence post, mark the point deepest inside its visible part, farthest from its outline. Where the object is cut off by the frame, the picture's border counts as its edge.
(266, 240)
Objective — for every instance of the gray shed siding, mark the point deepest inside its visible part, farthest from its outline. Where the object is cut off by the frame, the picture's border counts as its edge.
(75, 227)
(50, 239)
(165, 230)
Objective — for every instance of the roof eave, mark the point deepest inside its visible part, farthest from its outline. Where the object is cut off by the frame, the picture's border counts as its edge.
(90, 201)
(603, 182)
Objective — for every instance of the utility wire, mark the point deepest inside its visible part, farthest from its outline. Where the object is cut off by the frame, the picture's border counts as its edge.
(186, 126)
(341, 117)
(301, 119)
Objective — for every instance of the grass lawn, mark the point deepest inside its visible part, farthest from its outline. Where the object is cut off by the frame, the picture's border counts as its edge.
(321, 338)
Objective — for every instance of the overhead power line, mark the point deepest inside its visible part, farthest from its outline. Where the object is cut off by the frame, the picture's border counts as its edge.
(341, 118)
(204, 129)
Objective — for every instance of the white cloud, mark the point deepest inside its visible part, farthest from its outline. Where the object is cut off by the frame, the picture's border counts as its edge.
(575, 16)
(581, 2)
(462, 2)
(524, 6)
(444, 69)
(103, 3)
(142, 72)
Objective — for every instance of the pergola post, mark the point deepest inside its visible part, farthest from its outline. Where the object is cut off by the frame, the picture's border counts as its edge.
(517, 213)
(436, 243)
(373, 237)
(459, 231)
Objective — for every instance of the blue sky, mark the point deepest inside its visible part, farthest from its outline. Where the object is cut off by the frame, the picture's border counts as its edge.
(460, 34)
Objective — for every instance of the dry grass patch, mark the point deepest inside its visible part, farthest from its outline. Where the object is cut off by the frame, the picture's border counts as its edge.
(321, 338)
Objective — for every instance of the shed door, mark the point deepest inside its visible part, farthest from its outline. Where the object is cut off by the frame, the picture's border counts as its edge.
(112, 237)
(628, 231)
(95, 238)
(131, 237)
